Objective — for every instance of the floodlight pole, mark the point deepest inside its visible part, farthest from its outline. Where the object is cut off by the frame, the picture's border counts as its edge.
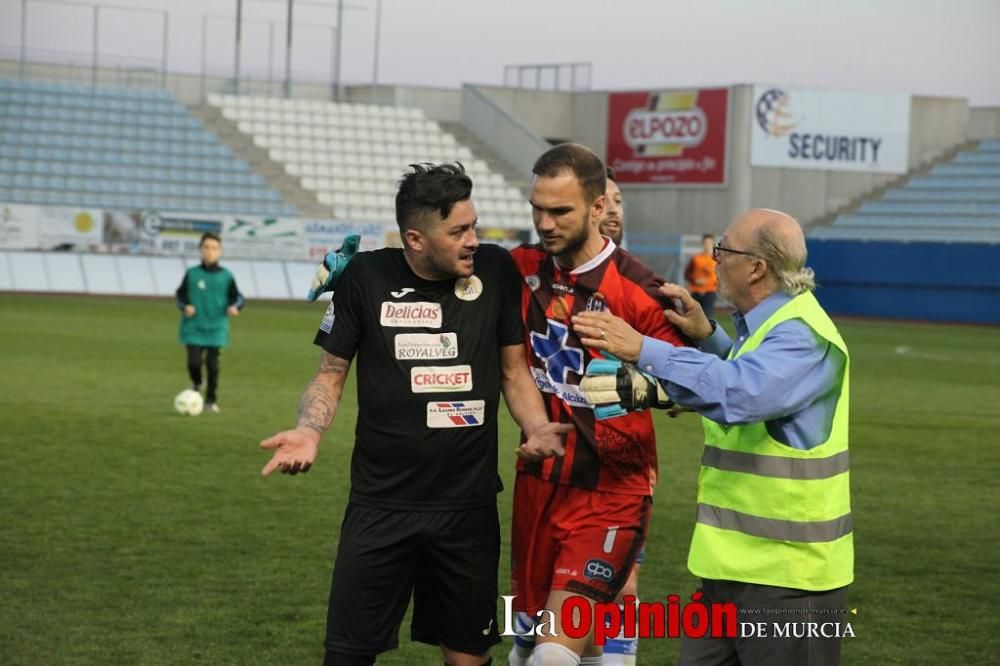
(338, 89)
(93, 66)
(288, 54)
(378, 31)
(204, 56)
(24, 38)
(270, 57)
(239, 41)
(166, 40)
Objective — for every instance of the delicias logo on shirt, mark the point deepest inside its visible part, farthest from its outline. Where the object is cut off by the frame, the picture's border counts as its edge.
(410, 315)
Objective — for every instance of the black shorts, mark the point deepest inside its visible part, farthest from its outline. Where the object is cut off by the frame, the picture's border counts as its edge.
(447, 559)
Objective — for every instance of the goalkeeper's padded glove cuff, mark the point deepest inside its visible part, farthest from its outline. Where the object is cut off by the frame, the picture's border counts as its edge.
(332, 266)
(616, 389)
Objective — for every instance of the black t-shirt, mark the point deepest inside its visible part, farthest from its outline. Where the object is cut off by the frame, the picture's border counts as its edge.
(428, 376)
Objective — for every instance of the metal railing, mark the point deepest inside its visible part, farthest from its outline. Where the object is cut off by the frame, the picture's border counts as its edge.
(576, 76)
(512, 140)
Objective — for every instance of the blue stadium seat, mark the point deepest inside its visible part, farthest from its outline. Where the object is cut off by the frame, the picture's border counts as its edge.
(68, 143)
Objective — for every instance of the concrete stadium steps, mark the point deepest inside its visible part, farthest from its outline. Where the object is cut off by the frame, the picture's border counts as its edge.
(350, 156)
(273, 172)
(938, 195)
(912, 234)
(954, 199)
(513, 176)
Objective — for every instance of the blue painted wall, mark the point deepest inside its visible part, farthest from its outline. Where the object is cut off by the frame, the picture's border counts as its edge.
(954, 282)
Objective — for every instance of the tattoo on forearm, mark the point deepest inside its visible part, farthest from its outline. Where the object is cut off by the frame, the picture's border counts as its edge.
(330, 364)
(317, 407)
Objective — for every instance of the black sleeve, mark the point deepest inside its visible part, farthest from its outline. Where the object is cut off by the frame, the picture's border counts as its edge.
(182, 293)
(510, 325)
(235, 297)
(342, 336)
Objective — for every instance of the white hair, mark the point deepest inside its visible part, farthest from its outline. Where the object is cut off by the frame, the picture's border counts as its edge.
(786, 261)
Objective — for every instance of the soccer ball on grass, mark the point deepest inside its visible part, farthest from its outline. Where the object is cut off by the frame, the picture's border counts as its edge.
(189, 402)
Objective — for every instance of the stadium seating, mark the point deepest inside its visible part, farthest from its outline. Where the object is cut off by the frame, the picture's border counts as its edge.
(68, 144)
(352, 155)
(958, 201)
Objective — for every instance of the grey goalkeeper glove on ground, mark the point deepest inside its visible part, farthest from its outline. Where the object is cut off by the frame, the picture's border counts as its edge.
(332, 267)
(616, 388)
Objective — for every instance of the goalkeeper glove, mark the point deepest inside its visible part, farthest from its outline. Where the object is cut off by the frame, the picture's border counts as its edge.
(332, 266)
(617, 388)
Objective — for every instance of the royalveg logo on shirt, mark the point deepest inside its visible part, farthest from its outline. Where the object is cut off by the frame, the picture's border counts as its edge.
(420, 346)
(441, 379)
(411, 315)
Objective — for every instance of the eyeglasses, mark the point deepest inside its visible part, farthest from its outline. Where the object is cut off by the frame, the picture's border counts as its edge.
(717, 249)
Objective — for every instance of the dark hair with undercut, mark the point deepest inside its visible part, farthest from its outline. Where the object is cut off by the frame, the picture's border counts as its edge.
(610, 173)
(209, 235)
(428, 189)
(579, 160)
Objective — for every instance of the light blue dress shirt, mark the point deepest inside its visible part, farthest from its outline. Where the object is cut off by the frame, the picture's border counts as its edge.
(791, 381)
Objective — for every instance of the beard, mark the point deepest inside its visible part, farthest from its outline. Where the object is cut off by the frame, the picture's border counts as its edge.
(573, 243)
(444, 268)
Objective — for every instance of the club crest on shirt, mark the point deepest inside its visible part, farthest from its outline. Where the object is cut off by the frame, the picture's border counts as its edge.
(469, 289)
(560, 308)
(596, 302)
(533, 282)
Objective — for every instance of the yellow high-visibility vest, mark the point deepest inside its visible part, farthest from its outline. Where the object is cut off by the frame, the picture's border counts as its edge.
(770, 514)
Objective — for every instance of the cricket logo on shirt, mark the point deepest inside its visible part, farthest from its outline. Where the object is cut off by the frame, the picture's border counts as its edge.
(441, 379)
(559, 361)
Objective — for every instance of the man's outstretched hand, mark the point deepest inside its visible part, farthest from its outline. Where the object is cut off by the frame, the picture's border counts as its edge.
(294, 451)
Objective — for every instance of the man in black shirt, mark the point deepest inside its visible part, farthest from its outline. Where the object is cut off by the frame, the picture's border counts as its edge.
(436, 328)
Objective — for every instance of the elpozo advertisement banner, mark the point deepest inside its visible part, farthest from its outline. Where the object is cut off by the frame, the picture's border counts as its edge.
(669, 137)
(829, 130)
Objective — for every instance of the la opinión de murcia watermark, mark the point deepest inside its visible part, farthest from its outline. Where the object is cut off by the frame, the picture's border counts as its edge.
(578, 616)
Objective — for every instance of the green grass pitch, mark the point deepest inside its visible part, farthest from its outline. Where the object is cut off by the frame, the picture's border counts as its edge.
(132, 535)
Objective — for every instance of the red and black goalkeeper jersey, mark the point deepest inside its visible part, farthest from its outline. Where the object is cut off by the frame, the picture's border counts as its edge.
(614, 455)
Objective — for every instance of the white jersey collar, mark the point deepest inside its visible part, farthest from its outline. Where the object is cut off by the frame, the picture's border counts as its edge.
(597, 260)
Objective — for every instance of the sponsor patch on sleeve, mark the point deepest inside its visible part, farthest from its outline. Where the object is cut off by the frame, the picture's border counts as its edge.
(328, 318)
(456, 414)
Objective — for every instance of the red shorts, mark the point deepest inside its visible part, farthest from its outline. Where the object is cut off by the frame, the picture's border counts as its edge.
(573, 539)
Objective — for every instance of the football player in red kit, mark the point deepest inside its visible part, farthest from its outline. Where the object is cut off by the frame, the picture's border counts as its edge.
(579, 520)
